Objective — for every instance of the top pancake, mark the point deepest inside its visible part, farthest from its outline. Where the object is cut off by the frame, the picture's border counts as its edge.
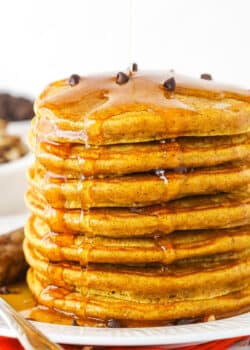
(98, 111)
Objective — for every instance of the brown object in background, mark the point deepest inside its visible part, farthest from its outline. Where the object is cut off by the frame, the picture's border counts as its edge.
(15, 108)
(12, 262)
(11, 146)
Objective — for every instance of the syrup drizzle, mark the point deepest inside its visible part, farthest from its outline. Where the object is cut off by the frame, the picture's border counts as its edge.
(103, 95)
(79, 113)
(162, 176)
(143, 88)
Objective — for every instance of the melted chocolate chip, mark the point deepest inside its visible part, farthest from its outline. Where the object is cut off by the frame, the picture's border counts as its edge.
(113, 323)
(170, 84)
(185, 321)
(74, 79)
(134, 67)
(181, 170)
(172, 296)
(74, 323)
(4, 290)
(122, 78)
(206, 76)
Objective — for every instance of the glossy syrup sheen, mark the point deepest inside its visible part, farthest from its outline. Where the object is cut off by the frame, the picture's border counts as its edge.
(98, 98)
(90, 112)
(21, 299)
(97, 93)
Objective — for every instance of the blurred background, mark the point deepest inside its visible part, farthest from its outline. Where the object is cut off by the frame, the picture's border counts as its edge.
(44, 40)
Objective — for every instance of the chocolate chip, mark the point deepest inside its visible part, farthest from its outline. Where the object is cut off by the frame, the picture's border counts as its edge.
(185, 321)
(170, 84)
(74, 79)
(74, 323)
(113, 323)
(134, 67)
(122, 78)
(206, 76)
(4, 290)
(181, 170)
(172, 296)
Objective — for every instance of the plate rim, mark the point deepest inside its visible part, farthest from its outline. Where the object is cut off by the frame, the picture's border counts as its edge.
(168, 335)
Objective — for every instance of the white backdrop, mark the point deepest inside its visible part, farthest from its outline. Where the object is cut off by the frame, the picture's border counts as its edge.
(43, 40)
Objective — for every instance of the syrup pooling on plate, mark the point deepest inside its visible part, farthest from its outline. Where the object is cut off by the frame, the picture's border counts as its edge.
(21, 299)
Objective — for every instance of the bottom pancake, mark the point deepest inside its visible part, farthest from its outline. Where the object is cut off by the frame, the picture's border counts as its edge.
(107, 307)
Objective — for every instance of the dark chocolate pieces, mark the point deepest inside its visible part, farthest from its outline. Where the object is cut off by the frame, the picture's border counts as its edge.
(113, 323)
(134, 67)
(170, 84)
(206, 76)
(122, 78)
(74, 322)
(74, 79)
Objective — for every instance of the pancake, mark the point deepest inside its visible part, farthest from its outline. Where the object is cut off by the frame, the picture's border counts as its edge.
(140, 199)
(202, 212)
(111, 308)
(180, 245)
(98, 111)
(137, 190)
(187, 152)
(197, 279)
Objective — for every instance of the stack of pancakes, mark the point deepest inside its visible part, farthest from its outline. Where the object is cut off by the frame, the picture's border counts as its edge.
(140, 199)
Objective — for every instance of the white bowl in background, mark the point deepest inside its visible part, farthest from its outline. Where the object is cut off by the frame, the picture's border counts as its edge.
(13, 184)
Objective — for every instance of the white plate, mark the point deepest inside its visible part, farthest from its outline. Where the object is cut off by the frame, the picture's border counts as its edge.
(171, 335)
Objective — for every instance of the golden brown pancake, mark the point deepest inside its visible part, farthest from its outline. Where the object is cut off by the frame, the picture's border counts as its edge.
(140, 198)
(203, 212)
(107, 307)
(99, 111)
(137, 190)
(180, 245)
(188, 279)
(187, 152)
